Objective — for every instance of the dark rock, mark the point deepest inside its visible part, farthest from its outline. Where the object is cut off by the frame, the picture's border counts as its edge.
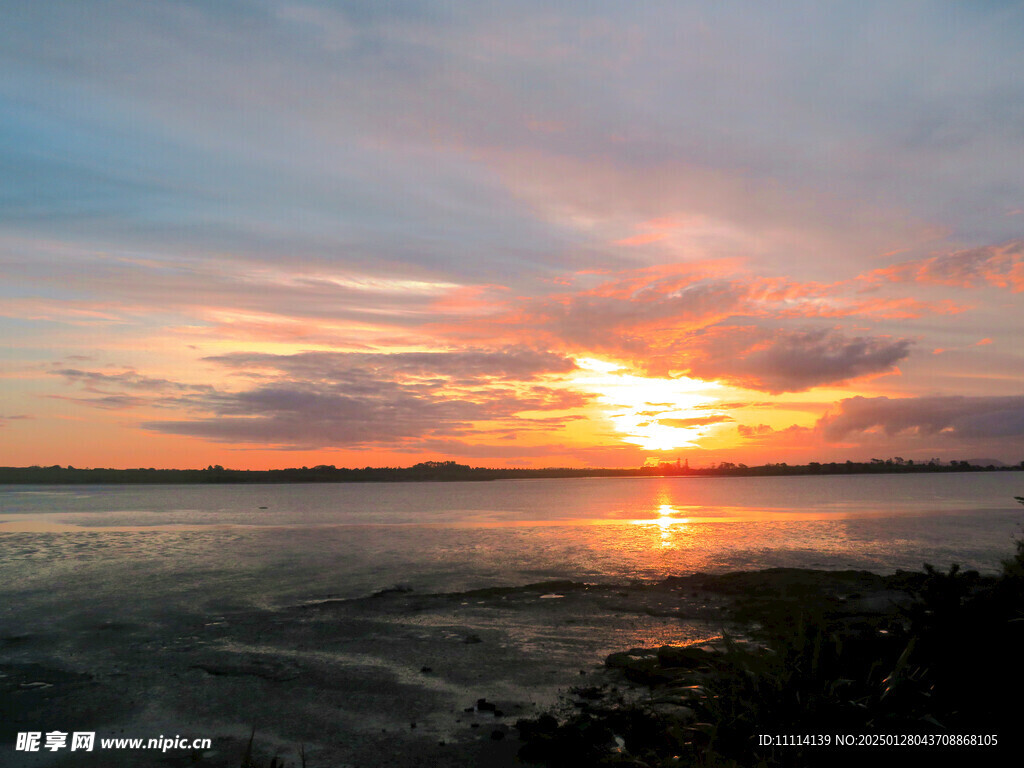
(593, 693)
(398, 589)
(640, 665)
(267, 670)
(580, 742)
(683, 657)
(544, 726)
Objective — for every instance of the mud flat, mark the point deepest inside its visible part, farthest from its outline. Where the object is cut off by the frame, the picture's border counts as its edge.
(556, 673)
(397, 677)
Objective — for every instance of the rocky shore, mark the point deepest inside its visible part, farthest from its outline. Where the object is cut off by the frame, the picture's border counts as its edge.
(829, 668)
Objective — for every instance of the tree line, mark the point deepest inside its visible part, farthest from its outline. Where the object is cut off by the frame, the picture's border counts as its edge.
(453, 471)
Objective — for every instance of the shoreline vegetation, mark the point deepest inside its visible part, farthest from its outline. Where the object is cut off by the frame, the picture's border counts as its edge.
(450, 471)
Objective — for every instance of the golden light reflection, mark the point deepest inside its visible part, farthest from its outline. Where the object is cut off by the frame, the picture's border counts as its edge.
(657, 414)
(671, 526)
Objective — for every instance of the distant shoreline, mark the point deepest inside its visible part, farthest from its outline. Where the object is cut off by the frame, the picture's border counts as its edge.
(449, 471)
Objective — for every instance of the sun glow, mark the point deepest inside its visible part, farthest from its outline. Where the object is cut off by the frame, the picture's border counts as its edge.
(657, 414)
(669, 525)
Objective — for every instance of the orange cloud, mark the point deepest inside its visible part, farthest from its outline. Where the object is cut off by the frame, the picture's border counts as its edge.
(1001, 266)
(689, 317)
(650, 237)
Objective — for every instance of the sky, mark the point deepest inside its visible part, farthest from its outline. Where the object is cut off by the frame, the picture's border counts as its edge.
(266, 234)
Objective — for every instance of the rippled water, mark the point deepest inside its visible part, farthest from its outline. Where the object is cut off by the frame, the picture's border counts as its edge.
(267, 544)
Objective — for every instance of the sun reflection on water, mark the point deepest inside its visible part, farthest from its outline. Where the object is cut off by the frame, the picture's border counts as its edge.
(672, 527)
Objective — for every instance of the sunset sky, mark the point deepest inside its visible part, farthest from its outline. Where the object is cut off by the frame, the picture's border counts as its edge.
(267, 234)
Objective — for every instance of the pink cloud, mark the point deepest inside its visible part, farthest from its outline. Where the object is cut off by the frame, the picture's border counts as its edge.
(715, 322)
(643, 239)
(646, 308)
(790, 361)
(1001, 266)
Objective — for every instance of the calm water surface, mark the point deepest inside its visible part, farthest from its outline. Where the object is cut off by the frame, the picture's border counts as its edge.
(217, 545)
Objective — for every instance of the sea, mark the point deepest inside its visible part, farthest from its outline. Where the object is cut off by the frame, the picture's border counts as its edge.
(275, 544)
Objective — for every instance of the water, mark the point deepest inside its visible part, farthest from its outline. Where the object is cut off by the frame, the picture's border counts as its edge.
(218, 544)
(215, 610)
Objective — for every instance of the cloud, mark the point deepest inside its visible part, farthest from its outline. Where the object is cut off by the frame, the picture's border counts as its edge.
(1001, 266)
(700, 421)
(19, 417)
(632, 322)
(655, 313)
(118, 402)
(793, 436)
(97, 381)
(483, 450)
(509, 363)
(128, 389)
(750, 431)
(223, 291)
(321, 399)
(949, 417)
(778, 361)
(684, 318)
(410, 134)
(357, 410)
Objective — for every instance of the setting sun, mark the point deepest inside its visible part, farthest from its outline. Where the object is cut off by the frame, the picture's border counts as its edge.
(655, 414)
